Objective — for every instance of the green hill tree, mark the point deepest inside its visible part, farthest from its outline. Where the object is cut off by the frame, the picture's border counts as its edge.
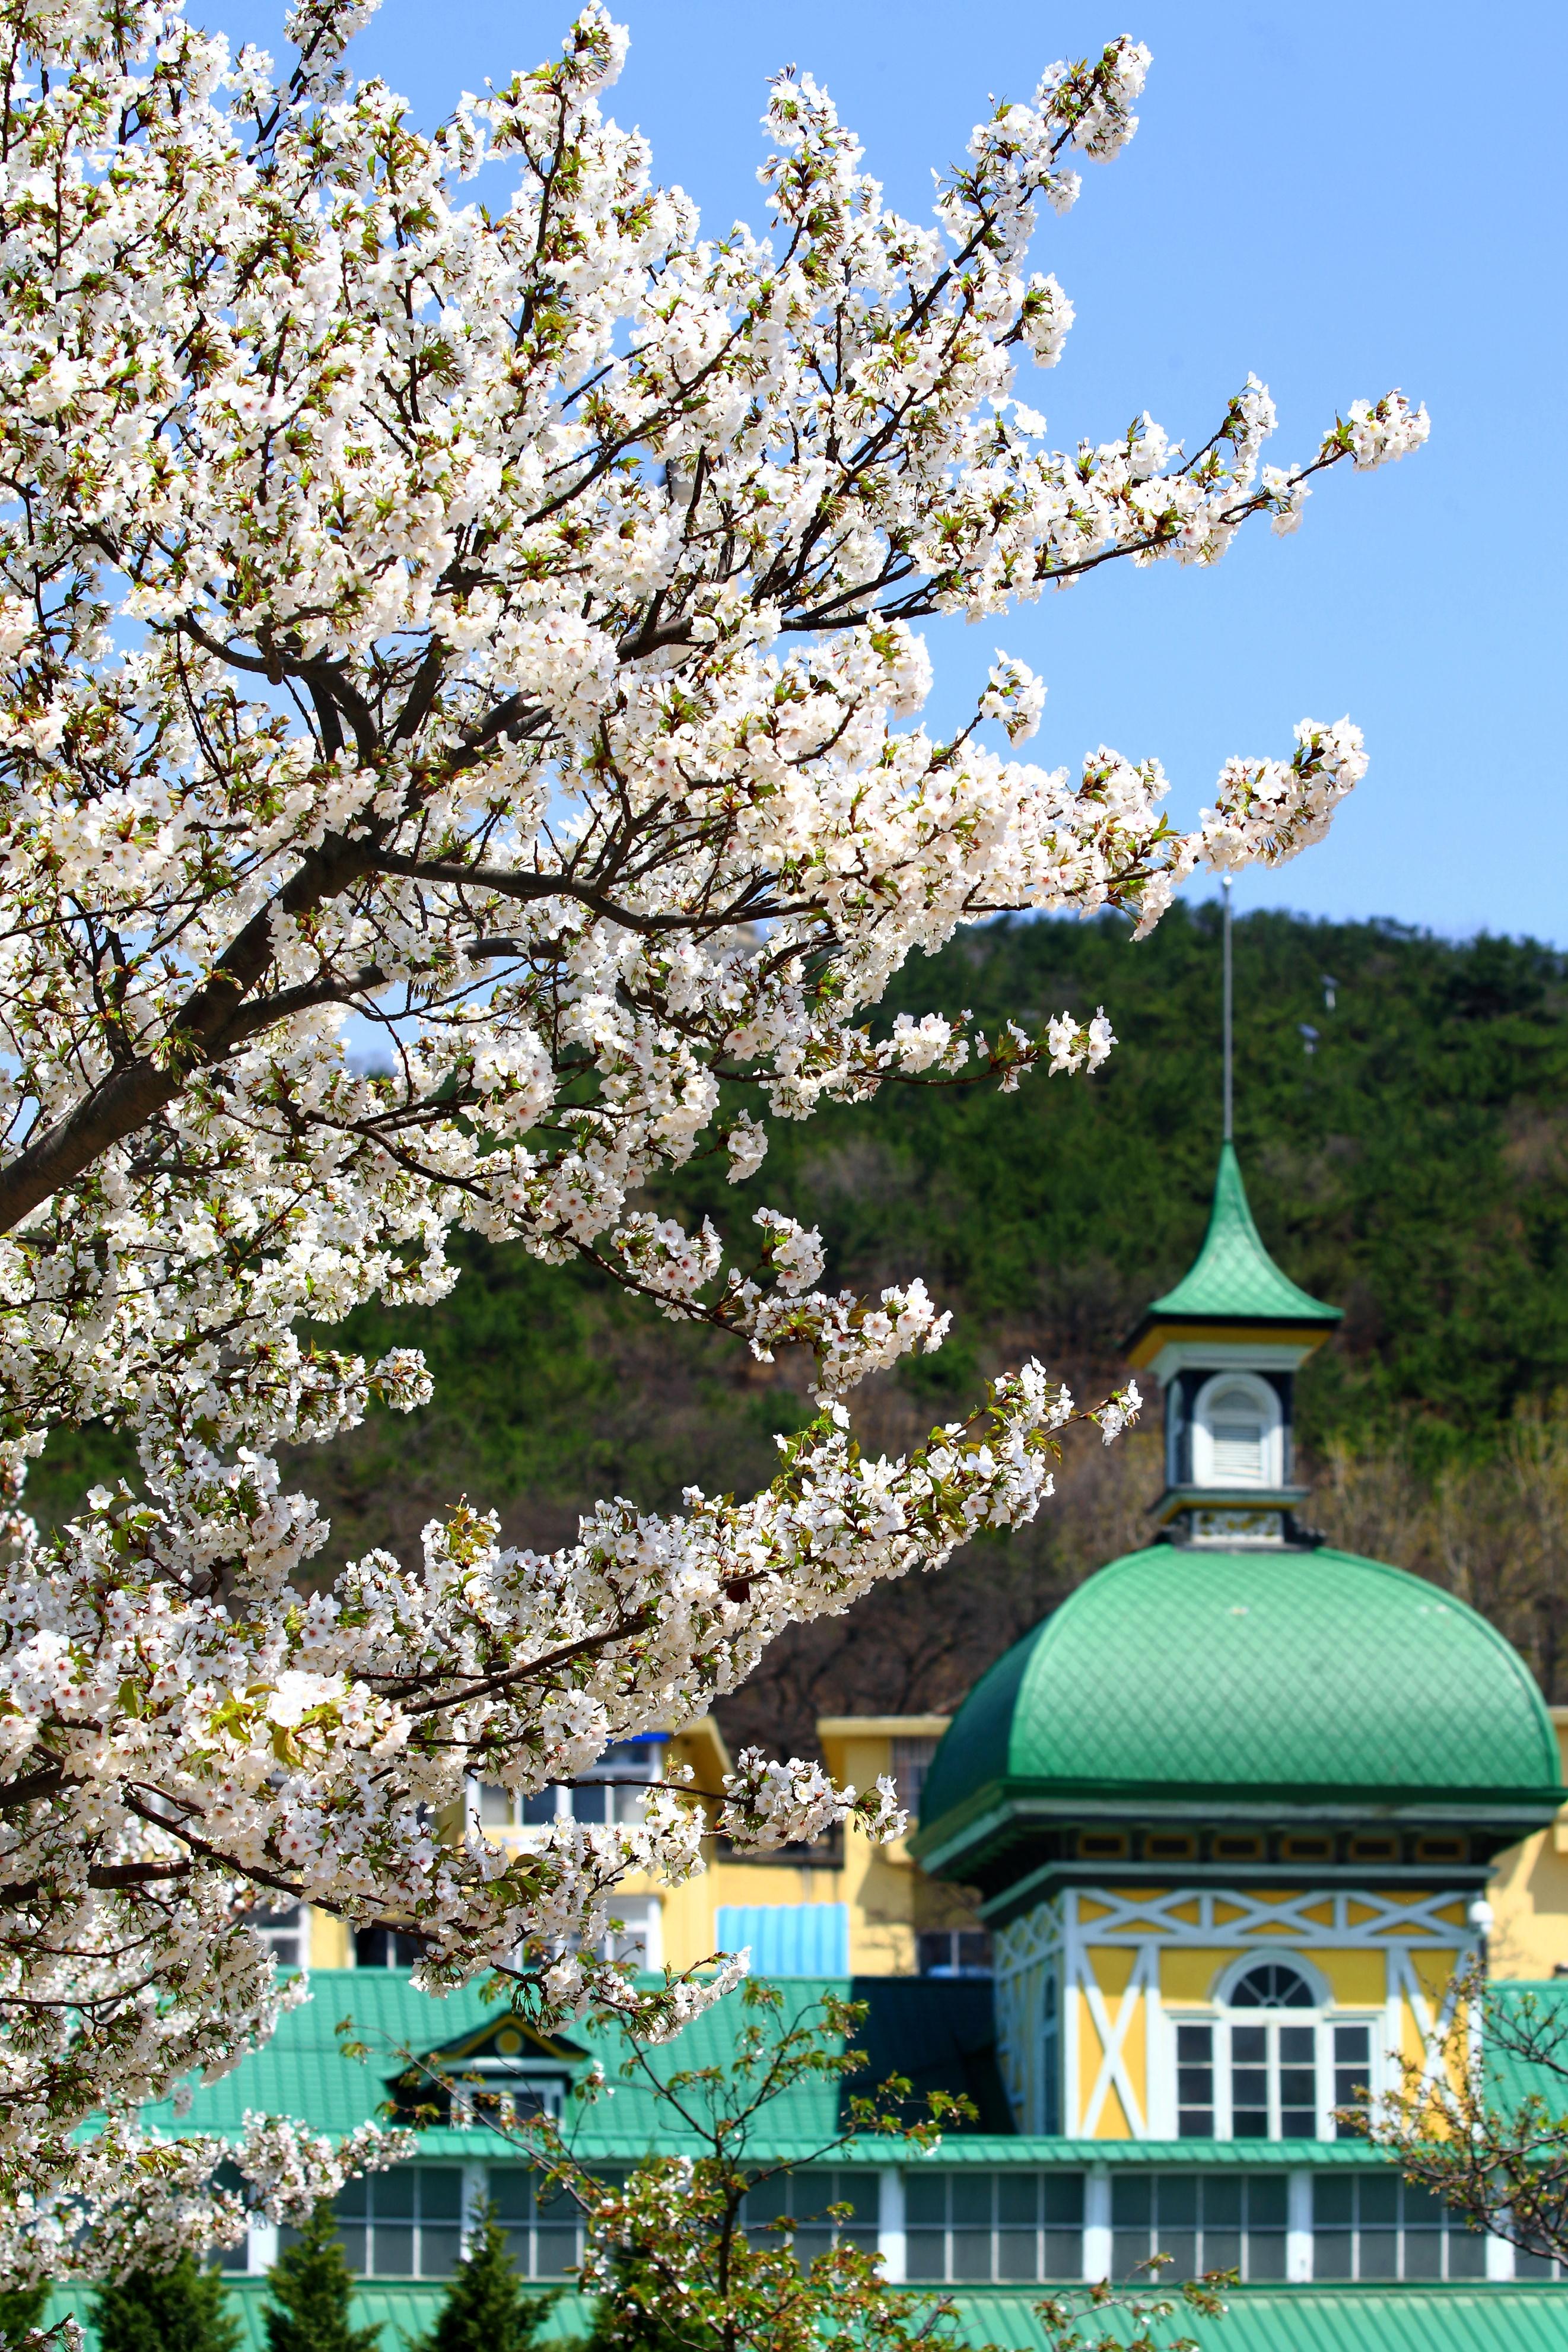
(485, 2309)
(309, 2290)
(179, 2310)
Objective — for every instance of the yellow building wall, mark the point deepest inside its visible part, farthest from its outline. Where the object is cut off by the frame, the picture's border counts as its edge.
(1127, 1956)
(332, 1945)
(1528, 1895)
(889, 1899)
(1357, 1979)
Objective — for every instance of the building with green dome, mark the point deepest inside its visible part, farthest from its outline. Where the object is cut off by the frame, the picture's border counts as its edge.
(1229, 1815)
(1230, 1812)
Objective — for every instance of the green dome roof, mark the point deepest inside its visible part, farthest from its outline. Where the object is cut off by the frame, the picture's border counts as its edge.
(1237, 1676)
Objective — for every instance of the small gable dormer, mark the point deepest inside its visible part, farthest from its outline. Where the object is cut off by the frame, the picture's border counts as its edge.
(1225, 1346)
(505, 2067)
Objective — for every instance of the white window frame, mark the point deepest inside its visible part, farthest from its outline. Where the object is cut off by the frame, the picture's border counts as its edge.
(277, 1924)
(627, 1776)
(911, 1762)
(1221, 2019)
(441, 2224)
(1437, 2234)
(1265, 1396)
(500, 2078)
(641, 1918)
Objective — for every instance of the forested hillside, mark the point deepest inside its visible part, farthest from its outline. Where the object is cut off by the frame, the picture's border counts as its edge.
(1410, 1167)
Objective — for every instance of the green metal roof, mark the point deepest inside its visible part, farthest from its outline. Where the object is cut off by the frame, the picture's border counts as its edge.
(1233, 1279)
(936, 2031)
(939, 2031)
(1425, 2318)
(961, 2150)
(1294, 1676)
(1523, 2316)
(1538, 2015)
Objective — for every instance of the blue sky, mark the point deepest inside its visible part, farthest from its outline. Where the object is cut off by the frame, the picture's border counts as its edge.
(1341, 201)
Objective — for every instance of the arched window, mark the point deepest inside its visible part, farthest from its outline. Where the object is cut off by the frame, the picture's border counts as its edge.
(1273, 2060)
(1236, 1432)
(1272, 1985)
(1273, 2063)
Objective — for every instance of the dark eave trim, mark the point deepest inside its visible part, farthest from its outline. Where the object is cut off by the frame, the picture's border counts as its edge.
(1257, 1327)
(1231, 1877)
(1010, 1806)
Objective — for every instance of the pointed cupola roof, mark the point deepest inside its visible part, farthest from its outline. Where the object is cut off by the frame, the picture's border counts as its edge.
(1233, 1282)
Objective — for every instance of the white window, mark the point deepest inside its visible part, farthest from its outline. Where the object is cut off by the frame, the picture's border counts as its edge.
(1270, 2062)
(635, 1931)
(283, 1928)
(404, 2223)
(1236, 1433)
(911, 1761)
(1203, 2221)
(1373, 2225)
(490, 2087)
(954, 1952)
(383, 1947)
(974, 2226)
(807, 2199)
(614, 1789)
(1176, 1422)
(408, 2222)
(543, 2224)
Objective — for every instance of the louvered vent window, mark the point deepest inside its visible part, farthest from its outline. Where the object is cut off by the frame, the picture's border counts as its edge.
(1236, 1434)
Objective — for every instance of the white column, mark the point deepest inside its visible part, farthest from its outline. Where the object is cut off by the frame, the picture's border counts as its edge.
(1298, 2229)
(1159, 2059)
(1097, 2254)
(1070, 2013)
(653, 1933)
(1386, 2061)
(476, 2191)
(261, 2250)
(890, 2238)
(1500, 2258)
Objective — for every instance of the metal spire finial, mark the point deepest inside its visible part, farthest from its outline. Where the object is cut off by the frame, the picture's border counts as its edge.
(1226, 886)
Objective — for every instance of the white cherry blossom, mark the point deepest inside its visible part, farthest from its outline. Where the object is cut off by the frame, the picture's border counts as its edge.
(492, 628)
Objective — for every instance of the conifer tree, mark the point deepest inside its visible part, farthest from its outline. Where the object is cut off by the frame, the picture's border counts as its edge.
(21, 2311)
(179, 2310)
(309, 2290)
(485, 2309)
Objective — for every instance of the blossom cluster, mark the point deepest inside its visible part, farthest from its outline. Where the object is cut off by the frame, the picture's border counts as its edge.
(769, 1804)
(129, 2199)
(492, 630)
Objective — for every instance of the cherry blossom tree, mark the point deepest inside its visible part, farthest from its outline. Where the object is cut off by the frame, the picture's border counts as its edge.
(487, 631)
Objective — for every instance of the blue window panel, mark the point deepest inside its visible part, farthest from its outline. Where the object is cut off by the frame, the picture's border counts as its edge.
(788, 1939)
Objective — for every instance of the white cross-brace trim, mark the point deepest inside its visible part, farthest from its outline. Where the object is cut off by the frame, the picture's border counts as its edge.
(1023, 1943)
(1127, 1917)
(1432, 2026)
(1112, 2033)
